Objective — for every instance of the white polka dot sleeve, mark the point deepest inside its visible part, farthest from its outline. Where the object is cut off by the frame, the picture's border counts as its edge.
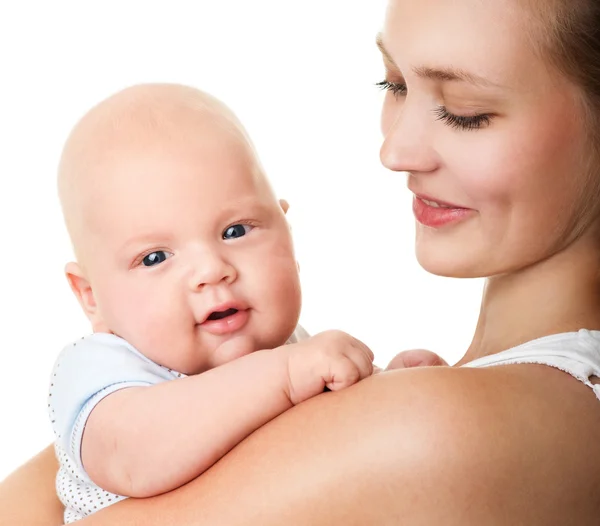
(86, 372)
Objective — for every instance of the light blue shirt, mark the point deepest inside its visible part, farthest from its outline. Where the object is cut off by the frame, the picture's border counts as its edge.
(85, 372)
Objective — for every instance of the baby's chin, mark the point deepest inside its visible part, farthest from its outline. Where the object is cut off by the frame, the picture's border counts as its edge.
(234, 348)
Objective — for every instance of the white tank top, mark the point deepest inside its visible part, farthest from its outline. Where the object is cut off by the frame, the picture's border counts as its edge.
(576, 353)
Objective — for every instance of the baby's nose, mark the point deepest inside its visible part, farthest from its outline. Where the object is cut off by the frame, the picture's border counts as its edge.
(211, 269)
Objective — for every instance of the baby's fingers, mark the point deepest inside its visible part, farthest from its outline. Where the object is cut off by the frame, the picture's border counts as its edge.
(363, 361)
(343, 373)
(364, 348)
(415, 358)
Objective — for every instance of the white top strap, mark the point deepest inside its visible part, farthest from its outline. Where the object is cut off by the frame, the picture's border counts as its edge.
(576, 353)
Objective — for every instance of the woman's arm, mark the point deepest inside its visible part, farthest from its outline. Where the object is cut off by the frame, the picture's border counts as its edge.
(28, 496)
(504, 445)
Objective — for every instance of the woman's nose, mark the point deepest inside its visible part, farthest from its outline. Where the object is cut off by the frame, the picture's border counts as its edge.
(407, 144)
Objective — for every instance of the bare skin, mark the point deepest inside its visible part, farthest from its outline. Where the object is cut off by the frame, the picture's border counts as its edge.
(27, 496)
(448, 445)
(205, 236)
(413, 451)
(402, 462)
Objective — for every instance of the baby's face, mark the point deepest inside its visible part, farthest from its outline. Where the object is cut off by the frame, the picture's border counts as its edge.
(188, 248)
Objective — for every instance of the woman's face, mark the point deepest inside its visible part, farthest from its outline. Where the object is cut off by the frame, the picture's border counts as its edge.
(484, 127)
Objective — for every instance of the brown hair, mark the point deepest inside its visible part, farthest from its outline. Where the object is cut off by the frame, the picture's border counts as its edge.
(567, 33)
(570, 39)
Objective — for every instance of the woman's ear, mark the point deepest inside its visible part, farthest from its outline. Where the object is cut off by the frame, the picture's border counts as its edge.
(82, 289)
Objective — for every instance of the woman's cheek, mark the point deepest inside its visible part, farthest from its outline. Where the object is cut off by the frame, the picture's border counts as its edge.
(485, 170)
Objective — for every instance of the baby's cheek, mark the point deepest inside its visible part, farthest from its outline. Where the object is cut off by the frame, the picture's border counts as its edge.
(136, 315)
(161, 335)
(281, 296)
(287, 292)
(278, 268)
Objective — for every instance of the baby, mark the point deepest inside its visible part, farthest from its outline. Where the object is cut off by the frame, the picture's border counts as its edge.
(186, 271)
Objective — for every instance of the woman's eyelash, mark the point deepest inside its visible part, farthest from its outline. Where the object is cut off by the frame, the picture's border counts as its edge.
(395, 87)
(472, 122)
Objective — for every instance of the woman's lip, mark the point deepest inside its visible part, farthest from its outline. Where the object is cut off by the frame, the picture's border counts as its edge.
(438, 216)
(227, 325)
(424, 197)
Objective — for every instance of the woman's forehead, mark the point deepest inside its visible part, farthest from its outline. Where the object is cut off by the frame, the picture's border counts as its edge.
(485, 39)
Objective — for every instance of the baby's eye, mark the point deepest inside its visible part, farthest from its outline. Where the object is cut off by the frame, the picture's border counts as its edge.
(155, 258)
(235, 231)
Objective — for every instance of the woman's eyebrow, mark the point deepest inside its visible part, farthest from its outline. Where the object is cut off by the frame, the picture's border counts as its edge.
(384, 51)
(440, 74)
(454, 75)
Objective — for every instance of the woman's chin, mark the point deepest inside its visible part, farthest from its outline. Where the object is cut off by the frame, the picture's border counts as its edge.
(448, 263)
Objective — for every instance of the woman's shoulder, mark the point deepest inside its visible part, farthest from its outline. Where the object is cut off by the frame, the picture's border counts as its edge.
(429, 445)
(544, 401)
(508, 430)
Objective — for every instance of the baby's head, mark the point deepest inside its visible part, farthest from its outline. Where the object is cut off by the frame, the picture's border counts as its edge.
(180, 241)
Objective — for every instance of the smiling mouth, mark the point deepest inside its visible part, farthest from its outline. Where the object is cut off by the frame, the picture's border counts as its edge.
(435, 204)
(219, 315)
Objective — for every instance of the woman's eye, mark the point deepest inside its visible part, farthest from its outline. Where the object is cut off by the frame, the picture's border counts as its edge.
(397, 88)
(155, 258)
(235, 231)
(460, 122)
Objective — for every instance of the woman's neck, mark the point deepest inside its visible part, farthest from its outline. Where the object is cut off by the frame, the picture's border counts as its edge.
(560, 294)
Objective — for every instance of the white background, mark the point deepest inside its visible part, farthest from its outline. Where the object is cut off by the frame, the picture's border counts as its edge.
(301, 77)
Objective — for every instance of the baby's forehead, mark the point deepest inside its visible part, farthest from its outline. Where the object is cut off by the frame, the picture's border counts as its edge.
(172, 118)
(136, 122)
(149, 111)
(171, 201)
(189, 129)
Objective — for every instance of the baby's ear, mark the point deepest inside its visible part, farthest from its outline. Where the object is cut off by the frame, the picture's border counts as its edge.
(82, 289)
(285, 206)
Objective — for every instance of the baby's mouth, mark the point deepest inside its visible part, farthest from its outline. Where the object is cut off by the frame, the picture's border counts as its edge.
(219, 315)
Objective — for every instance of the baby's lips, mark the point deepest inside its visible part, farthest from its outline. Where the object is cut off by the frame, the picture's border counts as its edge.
(228, 325)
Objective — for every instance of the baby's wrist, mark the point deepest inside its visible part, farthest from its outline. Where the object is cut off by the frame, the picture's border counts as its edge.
(279, 358)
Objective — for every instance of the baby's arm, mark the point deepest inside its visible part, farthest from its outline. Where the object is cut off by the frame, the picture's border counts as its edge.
(143, 441)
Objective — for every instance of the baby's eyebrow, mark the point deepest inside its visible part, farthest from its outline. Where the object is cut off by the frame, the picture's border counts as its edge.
(247, 206)
(142, 239)
(446, 74)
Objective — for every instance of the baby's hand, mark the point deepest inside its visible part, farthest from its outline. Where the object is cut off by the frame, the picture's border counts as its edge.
(415, 358)
(331, 359)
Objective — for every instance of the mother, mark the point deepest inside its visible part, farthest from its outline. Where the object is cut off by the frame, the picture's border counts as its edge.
(493, 109)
